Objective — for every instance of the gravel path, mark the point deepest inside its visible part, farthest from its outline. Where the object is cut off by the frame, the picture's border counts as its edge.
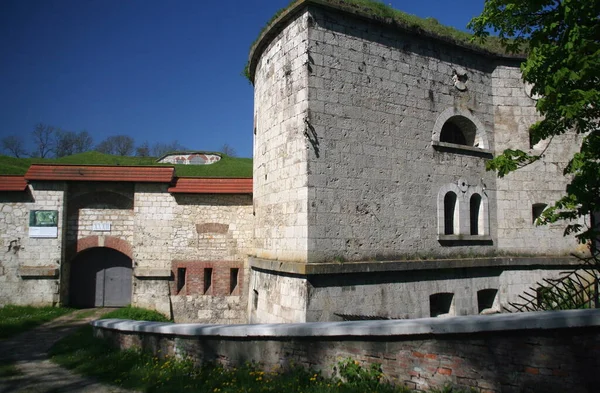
(29, 352)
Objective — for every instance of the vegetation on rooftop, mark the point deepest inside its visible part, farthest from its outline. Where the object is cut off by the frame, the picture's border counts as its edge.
(226, 167)
(385, 13)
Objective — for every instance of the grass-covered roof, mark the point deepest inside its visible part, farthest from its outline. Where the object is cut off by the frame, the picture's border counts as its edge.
(226, 167)
(377, 10)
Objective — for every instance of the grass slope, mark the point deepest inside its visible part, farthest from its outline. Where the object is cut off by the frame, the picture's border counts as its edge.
(226, 167)
(16, 319)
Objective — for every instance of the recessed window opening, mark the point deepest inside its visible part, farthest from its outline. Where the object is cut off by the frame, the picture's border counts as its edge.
(180, 278)
(475, 214)
(255, 299)
(536, 211)
(207, 279)
(440, 304)
(459, 130)
(531, 144)
(449, 213)
(233, 279)
(486, 299)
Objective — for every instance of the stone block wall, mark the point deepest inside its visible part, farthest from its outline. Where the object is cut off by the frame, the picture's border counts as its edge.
(540, 182)
(29, 270)
(375, 96)
(280, 146)
(191, 231)
(277, 297)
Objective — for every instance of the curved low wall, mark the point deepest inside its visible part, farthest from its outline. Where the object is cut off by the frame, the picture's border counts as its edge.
(540, 352)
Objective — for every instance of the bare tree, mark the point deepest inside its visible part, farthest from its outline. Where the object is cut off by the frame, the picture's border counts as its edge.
(228, 150)
(14, 145)
(42, 138)
(120, 145)
(83, 142)
(160, 149)
(69, 143)
(143, 150)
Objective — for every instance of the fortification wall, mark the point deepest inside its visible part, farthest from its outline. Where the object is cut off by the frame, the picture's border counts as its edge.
(280, 147)
(380, 102)
(542, 182)
(30, 266)
(538, 352)
(375, 95)
(194, 233)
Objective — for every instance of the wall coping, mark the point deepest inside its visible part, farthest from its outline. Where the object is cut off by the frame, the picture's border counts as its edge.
(363, 267)
(542, 320)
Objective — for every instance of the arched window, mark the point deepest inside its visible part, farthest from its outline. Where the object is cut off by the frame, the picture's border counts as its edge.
(459, 130)
(475, 214)
(452, 134)
(449, 213)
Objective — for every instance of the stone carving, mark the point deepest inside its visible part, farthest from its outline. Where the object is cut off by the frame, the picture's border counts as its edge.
(460, 78)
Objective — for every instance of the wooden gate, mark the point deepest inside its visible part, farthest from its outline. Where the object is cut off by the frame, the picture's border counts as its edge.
(100, 277)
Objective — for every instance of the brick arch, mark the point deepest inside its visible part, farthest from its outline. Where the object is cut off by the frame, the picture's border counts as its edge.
(103, 241)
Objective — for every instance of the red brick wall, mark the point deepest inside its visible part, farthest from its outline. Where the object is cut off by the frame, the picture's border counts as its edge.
(195, 273)
(94, 241)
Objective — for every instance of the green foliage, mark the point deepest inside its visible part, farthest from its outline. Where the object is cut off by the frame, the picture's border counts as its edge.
(136, 314)
(563, 66)
(362, 379)
(16, 319)
(226, 167)
(381, 11)
(134, 369)
(8, 369)
(141, 371)
(570, 295)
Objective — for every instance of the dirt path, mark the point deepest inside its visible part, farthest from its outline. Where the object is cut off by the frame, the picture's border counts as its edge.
(29, 352)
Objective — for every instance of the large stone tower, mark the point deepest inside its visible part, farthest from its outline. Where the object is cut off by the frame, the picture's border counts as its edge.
(371, 196)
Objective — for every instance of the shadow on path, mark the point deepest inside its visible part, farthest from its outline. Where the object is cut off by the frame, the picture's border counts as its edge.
(28, 351)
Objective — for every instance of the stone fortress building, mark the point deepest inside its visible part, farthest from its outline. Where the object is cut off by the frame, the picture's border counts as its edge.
(369, 196)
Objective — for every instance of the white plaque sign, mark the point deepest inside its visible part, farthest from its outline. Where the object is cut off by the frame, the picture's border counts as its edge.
(99, 226)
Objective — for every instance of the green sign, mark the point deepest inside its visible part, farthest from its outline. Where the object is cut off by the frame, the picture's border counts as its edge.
(43, 218)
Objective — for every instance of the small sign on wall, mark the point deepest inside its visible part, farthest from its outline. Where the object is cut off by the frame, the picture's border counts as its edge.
(43, 223)
(100, 226)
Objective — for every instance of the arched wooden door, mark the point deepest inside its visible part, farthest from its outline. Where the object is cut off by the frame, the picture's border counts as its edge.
(100, 277)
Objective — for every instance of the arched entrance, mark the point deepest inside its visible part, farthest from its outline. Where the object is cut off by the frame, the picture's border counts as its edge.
(100, 277)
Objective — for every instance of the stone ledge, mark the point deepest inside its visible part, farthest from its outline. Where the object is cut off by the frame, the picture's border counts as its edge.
(456, 148)
(362, 267)
(40, 272)
(543, 320)
(465, 238)
(151, 273)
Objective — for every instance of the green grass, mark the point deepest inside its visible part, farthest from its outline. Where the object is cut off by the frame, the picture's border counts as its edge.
(226, 167)
(381, 11)
(136, 314)
(133, 369)
(8, 369)
(16, 319)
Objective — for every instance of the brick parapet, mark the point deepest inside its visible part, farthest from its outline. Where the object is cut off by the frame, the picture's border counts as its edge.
(548, 351)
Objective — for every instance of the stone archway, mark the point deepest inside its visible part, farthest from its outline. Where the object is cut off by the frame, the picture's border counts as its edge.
(100, 277)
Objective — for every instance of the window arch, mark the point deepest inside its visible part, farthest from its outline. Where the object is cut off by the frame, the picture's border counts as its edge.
(450, 212)
(463, 212)
(458, 127)
(475, 214)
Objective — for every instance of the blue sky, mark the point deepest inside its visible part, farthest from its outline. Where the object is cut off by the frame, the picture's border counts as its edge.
(155, 70)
